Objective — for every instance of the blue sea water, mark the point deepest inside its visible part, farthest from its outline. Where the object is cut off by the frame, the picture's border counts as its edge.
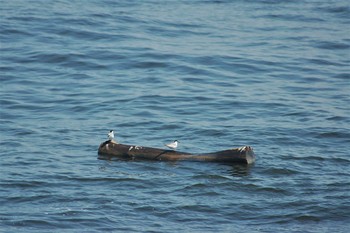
(215, 75)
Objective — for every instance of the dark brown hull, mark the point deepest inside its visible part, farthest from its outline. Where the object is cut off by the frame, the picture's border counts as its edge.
(108, 150)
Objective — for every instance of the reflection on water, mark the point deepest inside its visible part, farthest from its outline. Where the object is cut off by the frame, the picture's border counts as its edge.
(240, 170)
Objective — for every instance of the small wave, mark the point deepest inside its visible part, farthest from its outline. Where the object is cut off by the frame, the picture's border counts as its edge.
(274, 190)
(336, 9)
(195, 186)
(103, 179)
(29, 223)
(344, 76)
(338, 118)
(24, 184)
(211, 177)
(330, 45)
(280, 171)
(294, 17)
(196, 208)
(334, 135)
(14, 32)
(307, 218)
(322, 62)
(31, 199)
(149, 64)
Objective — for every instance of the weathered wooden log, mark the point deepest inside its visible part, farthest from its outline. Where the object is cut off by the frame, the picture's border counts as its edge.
(110, 149)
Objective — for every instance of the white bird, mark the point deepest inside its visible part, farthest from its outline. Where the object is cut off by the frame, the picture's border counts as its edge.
(172, 145)
(111, 135)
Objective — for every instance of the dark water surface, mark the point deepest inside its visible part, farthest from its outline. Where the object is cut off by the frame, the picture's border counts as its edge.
(213, 74)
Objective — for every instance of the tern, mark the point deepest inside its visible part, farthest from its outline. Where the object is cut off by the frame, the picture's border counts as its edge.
(172, 145)
(111, 135)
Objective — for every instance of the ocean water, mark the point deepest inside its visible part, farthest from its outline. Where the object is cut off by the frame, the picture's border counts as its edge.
(214, 75)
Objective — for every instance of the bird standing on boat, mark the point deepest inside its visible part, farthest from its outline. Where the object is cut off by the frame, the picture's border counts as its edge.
(111, 135)
(172, 145)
